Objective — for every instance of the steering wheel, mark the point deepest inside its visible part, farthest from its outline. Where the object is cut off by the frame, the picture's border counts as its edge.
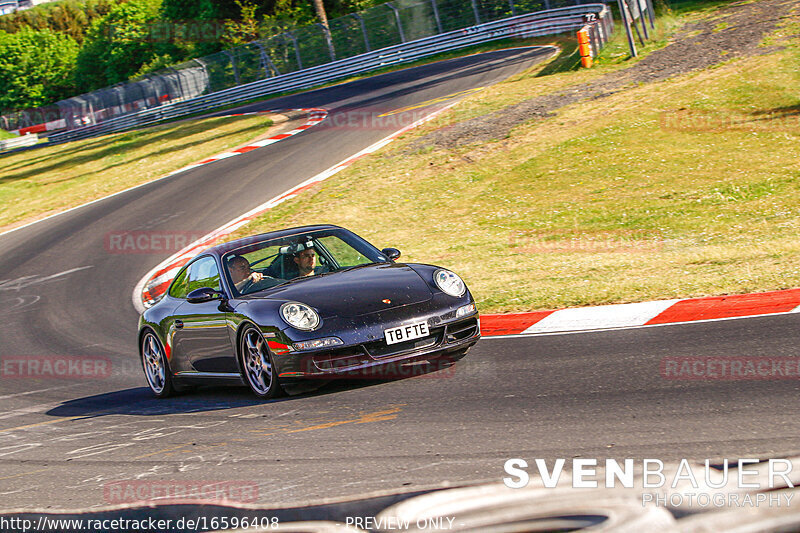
(244, 289)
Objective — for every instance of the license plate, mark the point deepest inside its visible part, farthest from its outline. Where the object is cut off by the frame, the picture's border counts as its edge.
(406, 333)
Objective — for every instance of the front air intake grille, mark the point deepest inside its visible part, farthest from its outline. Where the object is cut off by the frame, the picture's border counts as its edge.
(340, 359)
(462, 330)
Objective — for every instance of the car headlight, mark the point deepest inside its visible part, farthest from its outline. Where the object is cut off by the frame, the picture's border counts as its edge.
(299, 316)
(449, 282)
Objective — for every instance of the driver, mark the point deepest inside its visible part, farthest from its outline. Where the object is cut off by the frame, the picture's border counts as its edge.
(241, 273)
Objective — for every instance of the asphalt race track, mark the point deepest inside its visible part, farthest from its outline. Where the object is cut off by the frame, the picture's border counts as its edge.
(601, 394)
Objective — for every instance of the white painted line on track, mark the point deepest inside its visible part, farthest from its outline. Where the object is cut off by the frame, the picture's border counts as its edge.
(622, 328)
(603, 316)
(27, 281)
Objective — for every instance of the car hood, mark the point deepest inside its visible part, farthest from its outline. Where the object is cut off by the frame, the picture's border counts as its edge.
(358, 291)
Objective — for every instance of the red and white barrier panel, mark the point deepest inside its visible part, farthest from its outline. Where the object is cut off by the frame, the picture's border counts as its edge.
(59, 124)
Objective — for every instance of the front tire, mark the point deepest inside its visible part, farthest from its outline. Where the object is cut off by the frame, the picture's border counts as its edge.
(155, 365)
(257, 364)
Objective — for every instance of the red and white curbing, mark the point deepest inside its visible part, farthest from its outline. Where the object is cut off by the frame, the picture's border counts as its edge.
(642, 314)
(153, 285)
(315, 116)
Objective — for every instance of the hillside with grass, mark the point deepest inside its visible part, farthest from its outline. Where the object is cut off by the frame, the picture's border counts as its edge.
(675, 174)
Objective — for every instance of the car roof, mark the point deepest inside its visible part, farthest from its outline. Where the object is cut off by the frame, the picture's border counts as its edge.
(222, 249)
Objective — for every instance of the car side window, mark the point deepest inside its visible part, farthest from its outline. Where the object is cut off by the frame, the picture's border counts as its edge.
(179, 287)
(203, 273)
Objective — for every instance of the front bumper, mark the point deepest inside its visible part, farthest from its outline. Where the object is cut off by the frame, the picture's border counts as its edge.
(360, 359)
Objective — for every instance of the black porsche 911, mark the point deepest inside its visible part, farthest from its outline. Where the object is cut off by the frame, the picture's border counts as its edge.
(303, 303)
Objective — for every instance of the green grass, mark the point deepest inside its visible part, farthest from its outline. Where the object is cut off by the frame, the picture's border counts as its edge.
(36, 183)
(691, 7)
(681, 188)
(6, 135)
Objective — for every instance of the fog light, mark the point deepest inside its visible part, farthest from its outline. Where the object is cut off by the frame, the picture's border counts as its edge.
(465, 310)
(316, 344)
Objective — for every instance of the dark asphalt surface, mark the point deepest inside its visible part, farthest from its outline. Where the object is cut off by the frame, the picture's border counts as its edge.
(591, 394)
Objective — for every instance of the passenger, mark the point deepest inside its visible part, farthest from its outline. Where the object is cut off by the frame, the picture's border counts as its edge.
(306, 261)
(241, 273)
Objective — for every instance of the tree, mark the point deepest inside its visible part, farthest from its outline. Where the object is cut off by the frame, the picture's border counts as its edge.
(286, 15)
(72, 17)
(199, 9)
(198, 23)
(319, 7)
(244, 30)
(118, 44)
(35, 67)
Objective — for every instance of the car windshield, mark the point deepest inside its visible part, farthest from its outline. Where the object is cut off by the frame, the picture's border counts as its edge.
(264, 264)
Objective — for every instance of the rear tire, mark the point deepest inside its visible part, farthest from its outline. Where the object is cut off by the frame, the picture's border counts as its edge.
(155, 365)
(258, 367)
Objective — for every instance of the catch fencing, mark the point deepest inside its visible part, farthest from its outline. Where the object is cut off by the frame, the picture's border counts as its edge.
(388, 34)
(631, 11)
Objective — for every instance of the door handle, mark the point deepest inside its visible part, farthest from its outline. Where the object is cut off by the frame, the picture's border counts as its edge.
(179, 324)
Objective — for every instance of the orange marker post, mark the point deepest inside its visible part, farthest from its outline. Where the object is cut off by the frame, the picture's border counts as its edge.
(585, 47)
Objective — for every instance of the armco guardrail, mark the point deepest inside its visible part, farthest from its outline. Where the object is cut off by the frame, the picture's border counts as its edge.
(523, 26)
(18, 142)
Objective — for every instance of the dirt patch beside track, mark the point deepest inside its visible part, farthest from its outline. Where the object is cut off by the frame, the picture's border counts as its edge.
(737, 31)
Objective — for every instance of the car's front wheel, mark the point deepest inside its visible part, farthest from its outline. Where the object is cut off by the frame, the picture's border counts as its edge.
(257, 364)
(155, 365)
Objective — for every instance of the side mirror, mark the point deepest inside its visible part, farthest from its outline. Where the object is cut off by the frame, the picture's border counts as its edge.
(203, 294)
(391, 253)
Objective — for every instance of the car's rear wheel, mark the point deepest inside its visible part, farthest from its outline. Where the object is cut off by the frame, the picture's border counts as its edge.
(257, 364)
(155, 365)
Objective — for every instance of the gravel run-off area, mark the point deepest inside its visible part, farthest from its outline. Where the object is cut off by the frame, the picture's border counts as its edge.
(697, 46)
